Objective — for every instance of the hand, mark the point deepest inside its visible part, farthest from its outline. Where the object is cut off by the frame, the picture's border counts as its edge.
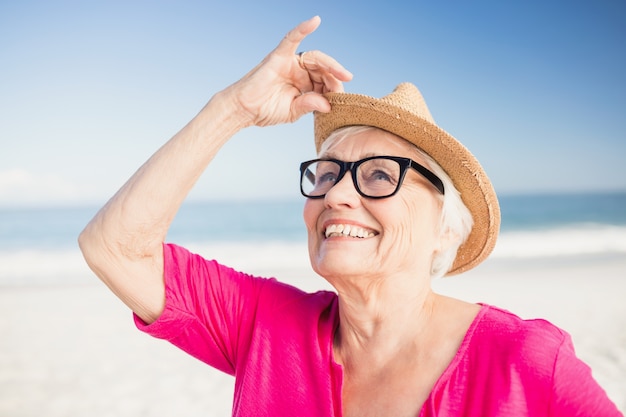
(280, 90)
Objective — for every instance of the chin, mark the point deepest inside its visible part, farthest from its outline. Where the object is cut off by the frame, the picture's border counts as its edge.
(339, 264)
(339, 257)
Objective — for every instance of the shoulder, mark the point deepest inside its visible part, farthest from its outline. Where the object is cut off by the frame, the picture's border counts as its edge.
(502, 325)
(531, 345)
(530, 363)
(515, 357)
(543, 364)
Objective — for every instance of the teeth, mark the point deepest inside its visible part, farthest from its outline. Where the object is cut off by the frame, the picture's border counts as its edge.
(347, 230)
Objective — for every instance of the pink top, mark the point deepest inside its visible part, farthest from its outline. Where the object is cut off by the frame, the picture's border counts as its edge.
(277, 342)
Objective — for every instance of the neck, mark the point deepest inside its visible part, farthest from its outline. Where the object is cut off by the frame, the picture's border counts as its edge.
(382, 319)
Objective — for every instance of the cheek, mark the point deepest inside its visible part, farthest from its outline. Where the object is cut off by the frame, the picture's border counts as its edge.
(421, 225)
(310, 213)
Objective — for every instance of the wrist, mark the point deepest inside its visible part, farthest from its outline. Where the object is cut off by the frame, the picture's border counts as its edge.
(231, 109)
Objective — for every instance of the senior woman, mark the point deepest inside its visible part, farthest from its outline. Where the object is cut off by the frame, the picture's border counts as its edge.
(392, 201)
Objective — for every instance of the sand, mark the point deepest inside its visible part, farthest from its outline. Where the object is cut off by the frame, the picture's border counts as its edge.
(72, 350)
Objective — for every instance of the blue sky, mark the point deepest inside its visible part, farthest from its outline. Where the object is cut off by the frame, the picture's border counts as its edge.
(88, 90)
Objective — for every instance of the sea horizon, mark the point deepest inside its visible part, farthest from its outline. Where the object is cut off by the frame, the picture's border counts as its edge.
(39, 245)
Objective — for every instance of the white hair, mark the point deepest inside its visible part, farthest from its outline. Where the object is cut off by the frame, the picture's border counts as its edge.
(456, 219)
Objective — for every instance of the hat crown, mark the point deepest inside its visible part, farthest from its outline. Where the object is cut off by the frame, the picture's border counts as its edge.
(409, 98)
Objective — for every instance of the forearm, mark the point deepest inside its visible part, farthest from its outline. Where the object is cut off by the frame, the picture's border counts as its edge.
(145, 206)
(125, 238)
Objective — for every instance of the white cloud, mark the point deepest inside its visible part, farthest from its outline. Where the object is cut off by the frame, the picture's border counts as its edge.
(19, 186)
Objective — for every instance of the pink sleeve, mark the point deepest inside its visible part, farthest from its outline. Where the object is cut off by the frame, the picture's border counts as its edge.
(209, 308)
(576, 393)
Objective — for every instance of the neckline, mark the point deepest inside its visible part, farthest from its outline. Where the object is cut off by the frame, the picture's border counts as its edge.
(337, 368)
(460, 354)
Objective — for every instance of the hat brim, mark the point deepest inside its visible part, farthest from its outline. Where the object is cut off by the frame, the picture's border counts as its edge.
(461, 166)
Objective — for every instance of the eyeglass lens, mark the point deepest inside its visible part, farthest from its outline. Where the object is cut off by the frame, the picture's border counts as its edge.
(377, 177)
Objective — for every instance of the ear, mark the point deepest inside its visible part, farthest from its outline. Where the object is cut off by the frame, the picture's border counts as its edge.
(447, 238)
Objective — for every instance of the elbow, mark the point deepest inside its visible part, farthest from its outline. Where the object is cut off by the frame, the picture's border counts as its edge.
(83, 239)
(91, 245)
(106, 249)
(95, 244)
(101, 256)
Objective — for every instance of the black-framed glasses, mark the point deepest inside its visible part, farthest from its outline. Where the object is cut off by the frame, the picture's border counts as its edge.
(373, 177)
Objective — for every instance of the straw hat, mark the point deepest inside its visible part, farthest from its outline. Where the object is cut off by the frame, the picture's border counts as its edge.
(405, 114)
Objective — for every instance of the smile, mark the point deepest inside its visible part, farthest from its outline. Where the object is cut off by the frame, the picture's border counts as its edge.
(346, 230)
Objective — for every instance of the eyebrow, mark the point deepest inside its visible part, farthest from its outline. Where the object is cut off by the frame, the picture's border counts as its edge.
(331, 155)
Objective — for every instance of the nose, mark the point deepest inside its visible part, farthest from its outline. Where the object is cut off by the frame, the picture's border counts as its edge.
(343, 193)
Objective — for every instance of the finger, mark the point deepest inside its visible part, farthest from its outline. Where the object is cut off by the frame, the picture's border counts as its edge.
(316, 63)
(321, 83)
(332, 84)
(291, 41)
(324, 73)
(324, 84)
(307, 103)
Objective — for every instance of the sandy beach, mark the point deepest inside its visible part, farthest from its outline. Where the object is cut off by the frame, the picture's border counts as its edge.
(72, 350)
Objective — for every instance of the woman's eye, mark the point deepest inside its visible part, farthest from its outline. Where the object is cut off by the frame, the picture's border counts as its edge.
(380, 176)
(327, 177)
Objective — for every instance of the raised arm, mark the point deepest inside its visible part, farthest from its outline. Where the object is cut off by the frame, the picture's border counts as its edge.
(123, 243)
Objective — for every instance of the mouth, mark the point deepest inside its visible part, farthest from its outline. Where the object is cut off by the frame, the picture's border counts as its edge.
(348, 230)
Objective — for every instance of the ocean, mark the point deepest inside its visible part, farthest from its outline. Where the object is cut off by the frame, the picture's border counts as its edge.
(38, 245)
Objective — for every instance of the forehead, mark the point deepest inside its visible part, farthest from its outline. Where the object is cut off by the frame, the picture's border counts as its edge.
(364, 143)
